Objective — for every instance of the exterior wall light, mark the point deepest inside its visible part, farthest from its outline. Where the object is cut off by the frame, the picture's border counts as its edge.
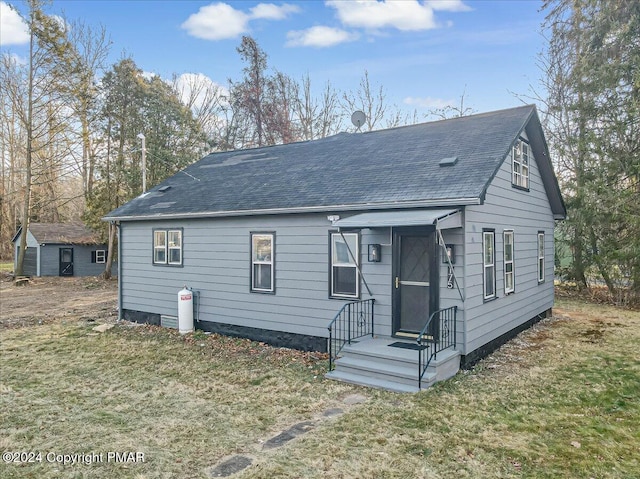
(451, 253)
(375, 254)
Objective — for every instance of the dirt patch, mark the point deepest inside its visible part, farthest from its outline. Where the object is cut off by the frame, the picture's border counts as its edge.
(46, 300)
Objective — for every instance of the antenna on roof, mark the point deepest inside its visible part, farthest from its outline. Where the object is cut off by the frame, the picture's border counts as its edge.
(358, 118)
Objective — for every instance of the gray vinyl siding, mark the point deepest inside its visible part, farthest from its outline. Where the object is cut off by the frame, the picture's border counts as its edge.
(30, 267)
(451, 297)
(216, 262)
(82, 265)
(526, 213)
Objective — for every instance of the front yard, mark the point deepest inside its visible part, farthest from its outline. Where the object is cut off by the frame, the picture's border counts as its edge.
(561, 400)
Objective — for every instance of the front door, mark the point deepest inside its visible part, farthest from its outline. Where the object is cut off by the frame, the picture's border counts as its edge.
(66, 261)
(415, 281)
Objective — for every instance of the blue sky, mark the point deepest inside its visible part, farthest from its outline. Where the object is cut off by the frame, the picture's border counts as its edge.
(424, 53)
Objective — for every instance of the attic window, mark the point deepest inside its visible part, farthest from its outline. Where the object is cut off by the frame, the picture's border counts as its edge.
(520, 164)
(449, 161)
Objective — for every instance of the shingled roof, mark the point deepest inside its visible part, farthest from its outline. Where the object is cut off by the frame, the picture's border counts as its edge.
(393, 168)
(61, 233)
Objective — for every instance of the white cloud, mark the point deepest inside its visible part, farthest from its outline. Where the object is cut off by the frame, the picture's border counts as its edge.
(269, 11)
(13, 30)
(319, 36)
(17, 59)
(448, 5)
(148, 75)
(371, 14)
(428, 102)
(200, 86)
(220, 21)
(216, 22)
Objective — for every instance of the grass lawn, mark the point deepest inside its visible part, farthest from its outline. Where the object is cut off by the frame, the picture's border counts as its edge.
(6, 266)
(560, 401)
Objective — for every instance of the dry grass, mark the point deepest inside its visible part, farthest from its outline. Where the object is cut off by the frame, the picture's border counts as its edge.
(6, 266)
(562, 400)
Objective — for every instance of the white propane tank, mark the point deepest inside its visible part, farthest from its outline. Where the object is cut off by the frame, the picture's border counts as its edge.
(185, 311)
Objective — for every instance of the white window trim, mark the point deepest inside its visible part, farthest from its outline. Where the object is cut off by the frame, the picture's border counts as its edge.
(101, 256)
(505, 234)
(157, 247)
(166, 248)
(170, 248)
(486, 266)
(355, 266)
(541, 257)
(520, 157)
(270, 262)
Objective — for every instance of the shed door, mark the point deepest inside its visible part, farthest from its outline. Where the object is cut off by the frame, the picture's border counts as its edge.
(66, 261)
(414, 286)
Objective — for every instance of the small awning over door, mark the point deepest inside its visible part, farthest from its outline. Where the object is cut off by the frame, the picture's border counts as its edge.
(442, 218)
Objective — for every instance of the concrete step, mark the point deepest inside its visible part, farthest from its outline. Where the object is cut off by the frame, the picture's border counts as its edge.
(371, 382)
(372, 362)
(381, 353)
(399, 373)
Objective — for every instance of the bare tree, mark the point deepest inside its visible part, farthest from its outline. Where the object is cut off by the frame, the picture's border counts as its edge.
(370, 100)
(48, 68)
(209, 103)
(453, 111)
(91, 47)
(317, 117)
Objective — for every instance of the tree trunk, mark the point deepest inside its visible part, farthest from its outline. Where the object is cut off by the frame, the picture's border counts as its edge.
(111, 245)
(26, 206)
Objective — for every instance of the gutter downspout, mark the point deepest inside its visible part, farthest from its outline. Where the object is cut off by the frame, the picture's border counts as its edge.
(119, 228)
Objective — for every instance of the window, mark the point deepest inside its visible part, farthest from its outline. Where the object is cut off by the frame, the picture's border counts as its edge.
(167, 247)
(175, 246)
(489, 263)
(160, 247)
(540, 256)
(99, 256)
(344, 254)
(509, 285)
(520, 168)
(262, 262)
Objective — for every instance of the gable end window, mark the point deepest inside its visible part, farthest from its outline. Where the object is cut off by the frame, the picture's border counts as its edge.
(344, 254)
(520, 156)
(540, 256)
(263, 263)
(167, 247)
(509, 275)
(489, 263)
(99, 256)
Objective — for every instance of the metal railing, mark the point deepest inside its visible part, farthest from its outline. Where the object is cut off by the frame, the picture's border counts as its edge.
(436, 335)
(354, 320)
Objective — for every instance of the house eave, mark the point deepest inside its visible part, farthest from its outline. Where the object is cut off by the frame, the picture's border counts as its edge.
(306, 209)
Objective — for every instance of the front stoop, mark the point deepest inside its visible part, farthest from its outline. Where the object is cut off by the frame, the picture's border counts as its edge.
(372, 362)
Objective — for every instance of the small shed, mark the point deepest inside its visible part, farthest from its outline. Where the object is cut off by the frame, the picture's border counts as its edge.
(61, 249)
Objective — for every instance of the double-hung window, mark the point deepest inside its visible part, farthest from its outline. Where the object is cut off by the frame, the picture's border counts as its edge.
(99, 256)
(489, 263)
(167, 247)
(520, 164)
(540, 256)
(262, 262)
(509, 278)
(344, 277)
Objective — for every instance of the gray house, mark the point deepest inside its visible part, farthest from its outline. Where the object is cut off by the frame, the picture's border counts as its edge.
(61, 249)
(406, 253)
